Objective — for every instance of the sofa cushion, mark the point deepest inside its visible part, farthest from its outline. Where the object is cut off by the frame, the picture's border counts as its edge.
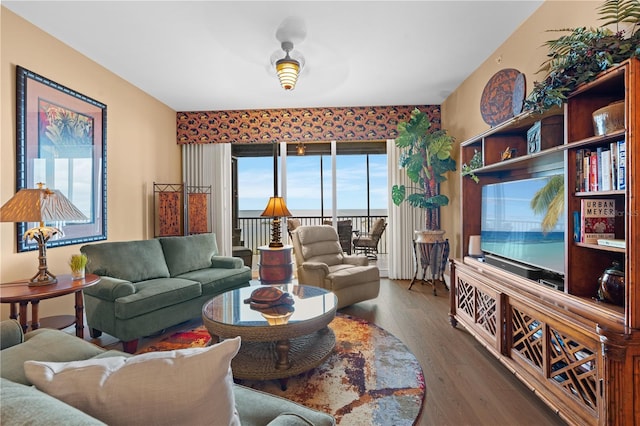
(152, 295)
(215, 281)
(186, 386)
(189, 253)
(22, 405)
(129, 260)
(44, 345)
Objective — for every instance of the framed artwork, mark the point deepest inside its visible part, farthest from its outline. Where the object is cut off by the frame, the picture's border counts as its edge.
(61, 142)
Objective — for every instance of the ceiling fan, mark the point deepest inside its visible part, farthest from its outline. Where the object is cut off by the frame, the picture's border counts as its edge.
(288, 68)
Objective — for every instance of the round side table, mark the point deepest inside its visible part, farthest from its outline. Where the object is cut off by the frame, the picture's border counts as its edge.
(20, 293)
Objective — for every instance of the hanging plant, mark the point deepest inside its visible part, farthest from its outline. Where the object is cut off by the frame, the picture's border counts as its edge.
(579, 56)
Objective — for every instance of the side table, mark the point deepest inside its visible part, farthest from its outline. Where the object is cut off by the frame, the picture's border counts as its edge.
(20, 293)
(276, 264)
(430, 255)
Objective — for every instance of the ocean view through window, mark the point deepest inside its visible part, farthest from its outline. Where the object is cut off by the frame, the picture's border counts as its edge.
(361, 187)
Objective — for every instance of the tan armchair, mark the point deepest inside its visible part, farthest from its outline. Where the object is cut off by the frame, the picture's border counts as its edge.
(321, 262)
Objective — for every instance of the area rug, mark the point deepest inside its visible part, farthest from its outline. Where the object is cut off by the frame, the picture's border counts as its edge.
(371, 378)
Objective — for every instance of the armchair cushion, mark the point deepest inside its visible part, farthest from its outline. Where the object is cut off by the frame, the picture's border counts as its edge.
(189, 253)
(142, 260)
(320, 244)
(186, 386)
(345, 277)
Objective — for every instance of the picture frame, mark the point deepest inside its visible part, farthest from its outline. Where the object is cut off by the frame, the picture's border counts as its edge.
(61, 141)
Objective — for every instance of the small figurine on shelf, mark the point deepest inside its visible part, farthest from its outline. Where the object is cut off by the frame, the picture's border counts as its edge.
(77, 263)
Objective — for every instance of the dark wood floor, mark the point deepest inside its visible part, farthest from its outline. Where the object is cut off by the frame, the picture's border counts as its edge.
(465, 384)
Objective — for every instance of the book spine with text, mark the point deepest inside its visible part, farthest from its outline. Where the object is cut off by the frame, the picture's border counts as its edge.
(622, 158)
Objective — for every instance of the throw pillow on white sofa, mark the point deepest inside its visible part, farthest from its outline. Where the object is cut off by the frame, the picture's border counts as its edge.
(186, 386)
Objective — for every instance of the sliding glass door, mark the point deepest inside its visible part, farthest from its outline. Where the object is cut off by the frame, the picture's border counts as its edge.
(346, 182)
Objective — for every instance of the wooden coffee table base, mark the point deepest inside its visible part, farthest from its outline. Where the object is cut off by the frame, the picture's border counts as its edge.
(270, 361)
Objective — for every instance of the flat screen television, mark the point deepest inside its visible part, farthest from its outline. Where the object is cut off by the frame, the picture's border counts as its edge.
(510, 229)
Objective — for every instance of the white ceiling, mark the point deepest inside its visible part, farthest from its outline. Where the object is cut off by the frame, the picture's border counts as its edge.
(216, 55)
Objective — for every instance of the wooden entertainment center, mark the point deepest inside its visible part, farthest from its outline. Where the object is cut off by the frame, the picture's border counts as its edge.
(581, 356)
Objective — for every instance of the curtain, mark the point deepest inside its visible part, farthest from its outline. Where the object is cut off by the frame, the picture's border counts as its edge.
(403, 220)
(210, 164)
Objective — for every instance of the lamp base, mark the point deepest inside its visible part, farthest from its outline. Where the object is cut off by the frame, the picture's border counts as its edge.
(37, 283)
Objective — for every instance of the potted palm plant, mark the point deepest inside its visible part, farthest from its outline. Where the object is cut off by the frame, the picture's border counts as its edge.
(426, 158)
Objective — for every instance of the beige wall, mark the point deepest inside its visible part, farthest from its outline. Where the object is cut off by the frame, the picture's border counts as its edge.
(141, 145)
(523, 51)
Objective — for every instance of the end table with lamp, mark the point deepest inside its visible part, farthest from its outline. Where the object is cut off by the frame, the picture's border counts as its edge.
(42, 205)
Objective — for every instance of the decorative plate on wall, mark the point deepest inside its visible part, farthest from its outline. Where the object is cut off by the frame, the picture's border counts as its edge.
(497, 101)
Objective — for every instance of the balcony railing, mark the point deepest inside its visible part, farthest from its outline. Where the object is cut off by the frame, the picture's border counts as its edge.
(256, 231)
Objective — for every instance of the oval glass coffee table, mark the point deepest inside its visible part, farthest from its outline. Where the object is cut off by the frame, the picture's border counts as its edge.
(274, 345)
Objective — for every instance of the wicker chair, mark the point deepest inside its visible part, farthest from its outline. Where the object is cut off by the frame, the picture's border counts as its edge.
(367, 242)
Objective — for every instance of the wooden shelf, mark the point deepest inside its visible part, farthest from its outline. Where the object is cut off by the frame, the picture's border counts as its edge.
(526, 324)
(601, 247)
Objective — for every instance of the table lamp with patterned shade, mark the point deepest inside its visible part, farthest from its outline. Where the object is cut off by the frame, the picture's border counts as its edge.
(40, 205)
(276, 208)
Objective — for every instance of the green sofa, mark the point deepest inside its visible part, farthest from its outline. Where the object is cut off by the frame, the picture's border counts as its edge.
(21, 403)
(149, 285)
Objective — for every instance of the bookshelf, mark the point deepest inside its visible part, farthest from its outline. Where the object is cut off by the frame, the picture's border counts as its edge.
(580, 355)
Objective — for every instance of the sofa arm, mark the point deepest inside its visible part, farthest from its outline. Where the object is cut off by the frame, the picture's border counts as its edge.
(109, 288)
(226, 262)
(356, 260)
(10, 333)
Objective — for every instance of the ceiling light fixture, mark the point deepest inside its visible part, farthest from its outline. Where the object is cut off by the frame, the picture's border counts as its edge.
(288, 68)
(300, 149)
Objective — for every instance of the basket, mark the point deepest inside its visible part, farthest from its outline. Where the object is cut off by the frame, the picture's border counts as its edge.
(608, 119)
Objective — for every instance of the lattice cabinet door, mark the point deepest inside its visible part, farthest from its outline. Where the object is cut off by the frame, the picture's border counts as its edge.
(478, 307)
(565, 358)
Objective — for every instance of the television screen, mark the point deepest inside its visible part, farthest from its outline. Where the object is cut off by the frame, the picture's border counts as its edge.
(511, 229)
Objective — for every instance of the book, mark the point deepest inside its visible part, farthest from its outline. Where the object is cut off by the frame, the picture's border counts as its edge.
(605, 171)
(613, 149)
(586, 168)
(579, 171)
(576, 227)
(599, 170)
(597, 219)
(611, 243)
(593, 172)
(622, 159)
